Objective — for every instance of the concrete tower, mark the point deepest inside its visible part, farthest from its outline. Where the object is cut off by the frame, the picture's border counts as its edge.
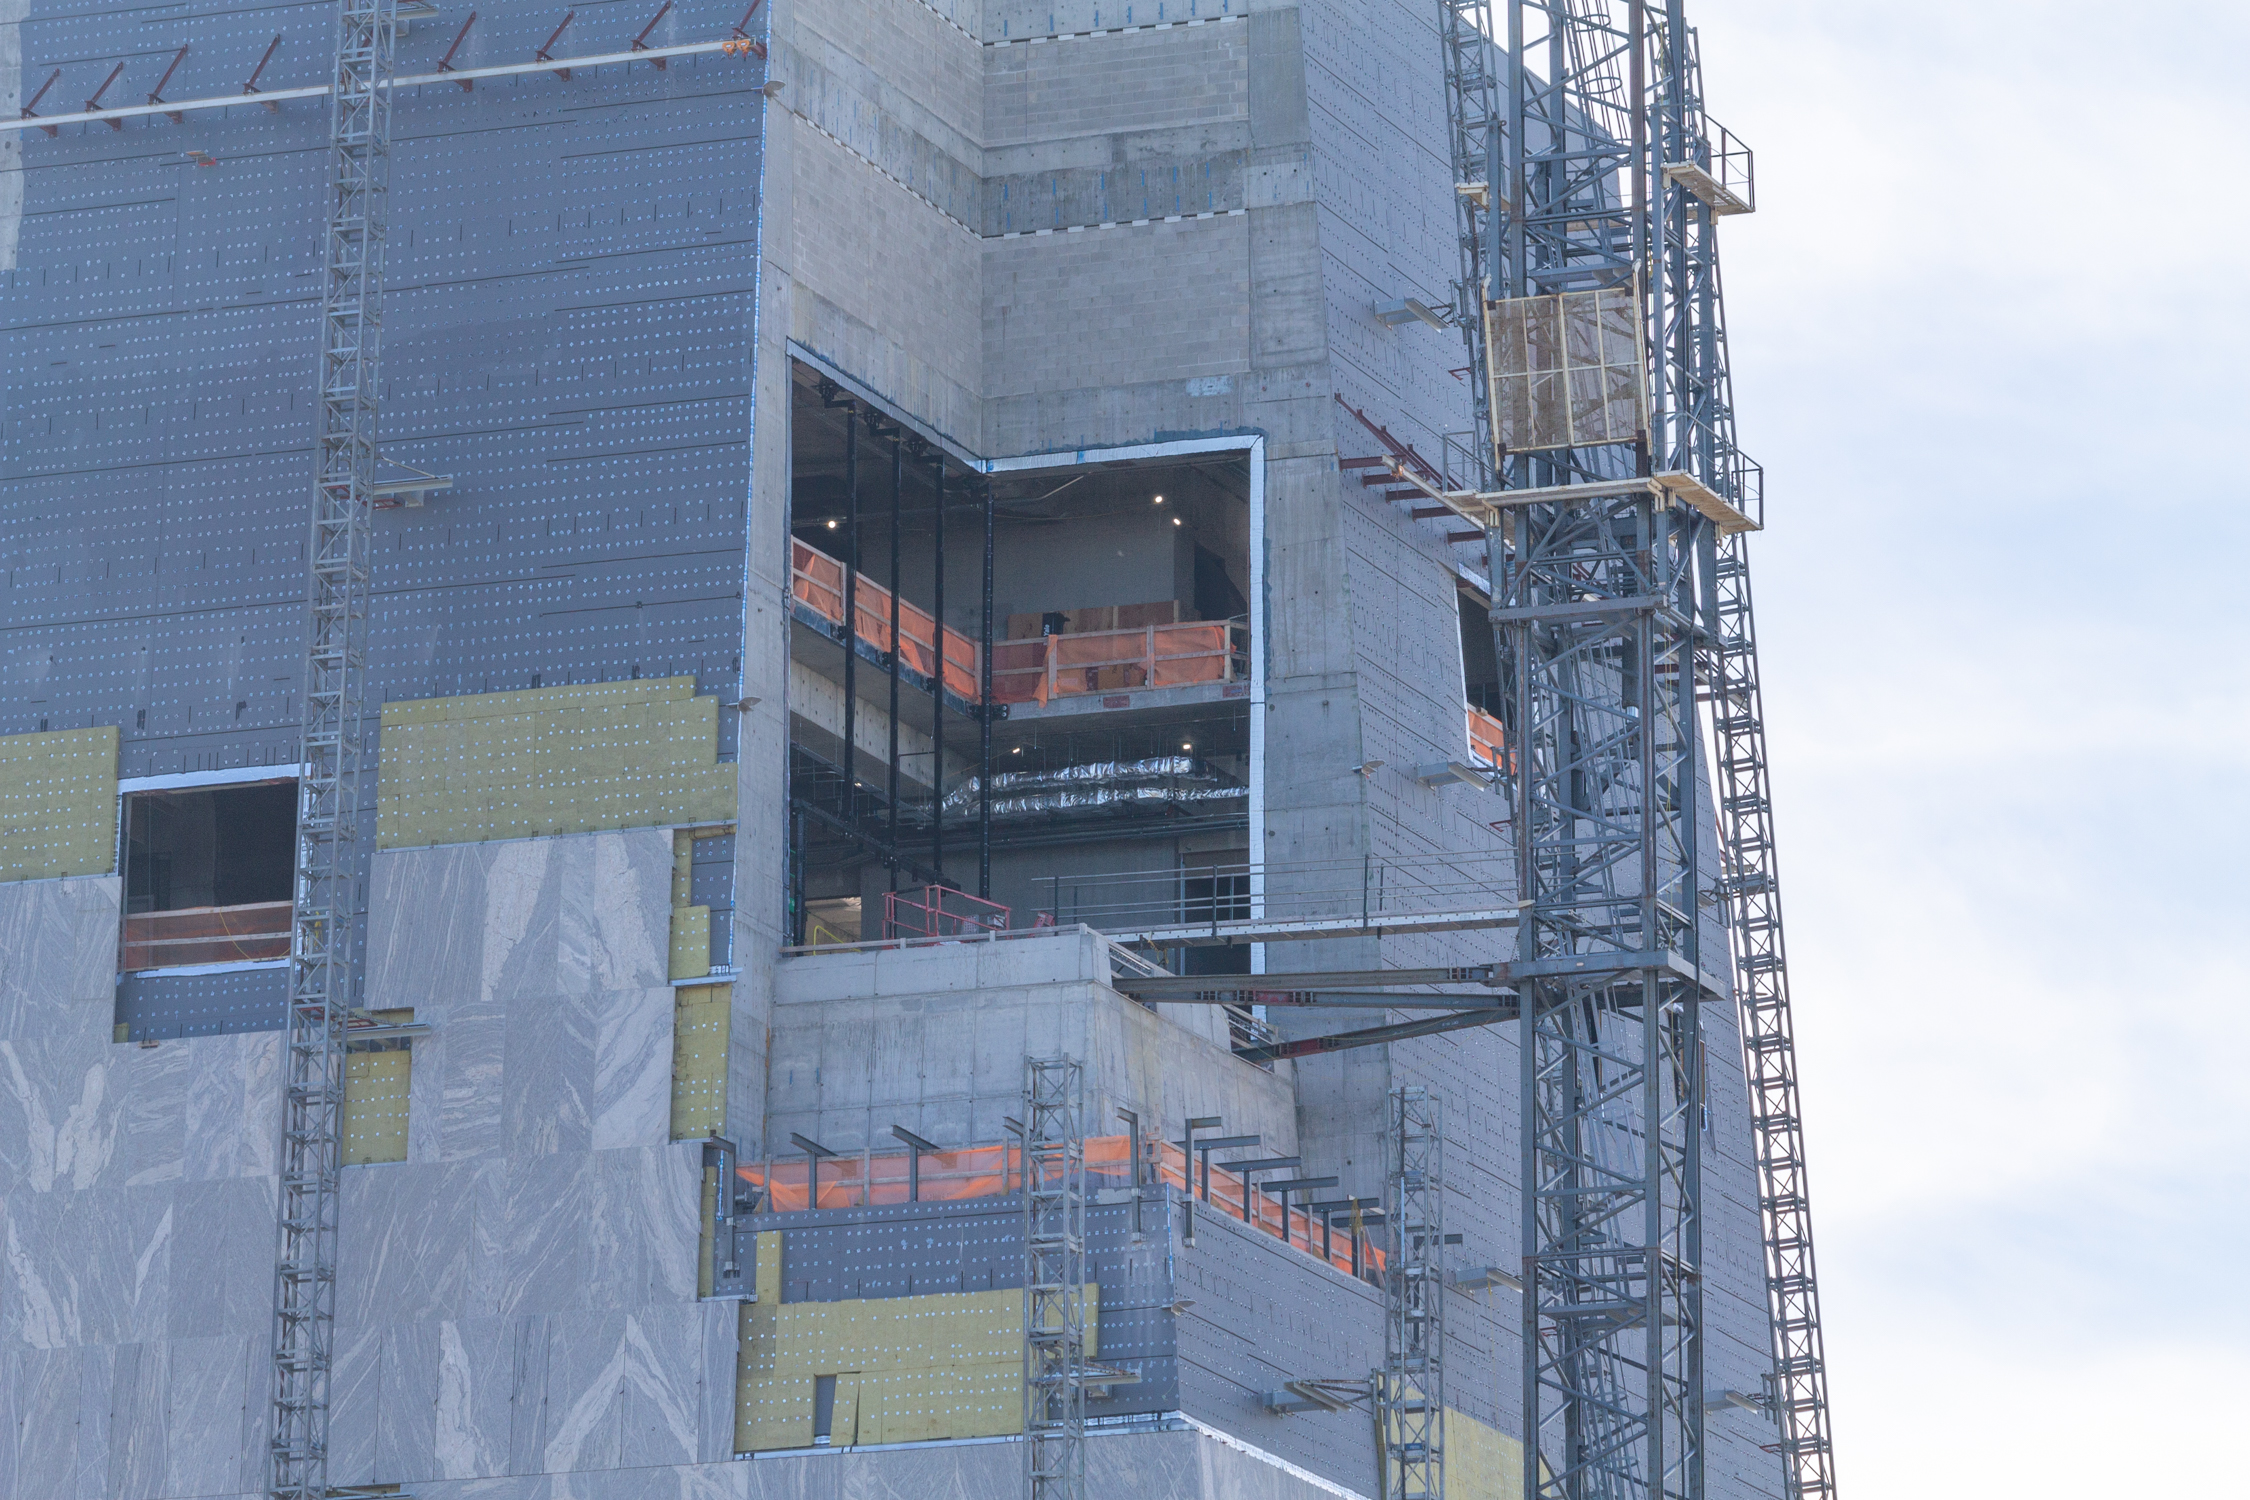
(925, 448)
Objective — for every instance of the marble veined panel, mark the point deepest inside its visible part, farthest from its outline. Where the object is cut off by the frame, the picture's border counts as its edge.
(456, 1107)
(90, 1267)
(569, 915)
(222, 1258)
(59, 1110)
(203, 1414)
(542, 1263)
(39, 1441)
(355, 1396)
(406, 1425)
(139, 1386)
(58, 949)
(662, 1385)
(547, 1075)
(97, 1374)
(231, 1125)
(421, 1242)
(587, 1360)
(632, 1097)
(640, 1226)
(476, 1370)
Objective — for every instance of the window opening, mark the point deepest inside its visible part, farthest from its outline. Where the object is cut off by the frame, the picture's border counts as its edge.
(208, 875)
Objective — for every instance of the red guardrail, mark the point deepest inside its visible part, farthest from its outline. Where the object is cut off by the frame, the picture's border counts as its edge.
(205, 935)
(1033, 670)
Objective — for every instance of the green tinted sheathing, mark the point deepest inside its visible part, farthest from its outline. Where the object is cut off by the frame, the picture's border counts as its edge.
(58, 803)
(549, 761)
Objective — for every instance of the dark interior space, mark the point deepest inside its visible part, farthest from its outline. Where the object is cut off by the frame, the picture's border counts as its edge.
(228, 846)
(1480, 666)
(1116, 597)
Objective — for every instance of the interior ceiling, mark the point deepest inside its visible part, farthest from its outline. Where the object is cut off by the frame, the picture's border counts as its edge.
(818, 439)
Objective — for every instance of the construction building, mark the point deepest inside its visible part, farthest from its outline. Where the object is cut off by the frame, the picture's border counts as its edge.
(884, 747)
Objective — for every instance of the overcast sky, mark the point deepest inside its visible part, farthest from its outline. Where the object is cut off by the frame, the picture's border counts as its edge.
(1987, 331)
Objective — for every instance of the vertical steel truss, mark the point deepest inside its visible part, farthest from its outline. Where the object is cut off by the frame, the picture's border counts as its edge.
(324, 971)
(1599, 670)
(1410, 1388)
(1593, 613)
(1761, 970)
(1054, 1280)
(1696, 406)
(1472, 112)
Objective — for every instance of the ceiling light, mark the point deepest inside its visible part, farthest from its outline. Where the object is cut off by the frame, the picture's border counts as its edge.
(1175, 520)
(831, 525)
(1159, 499)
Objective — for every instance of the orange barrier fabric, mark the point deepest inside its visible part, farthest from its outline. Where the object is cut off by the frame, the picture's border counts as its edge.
(1040, 668)
(817, 581)
(995, 1171)
(206, 935)
(1486, 738)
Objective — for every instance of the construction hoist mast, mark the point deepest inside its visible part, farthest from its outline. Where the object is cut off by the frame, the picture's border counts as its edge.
(1054, 1279)
(1594, 573)
(1410, 1388)
(324, 967)
(1620, 583)
(1472, 113)
(1708, 176)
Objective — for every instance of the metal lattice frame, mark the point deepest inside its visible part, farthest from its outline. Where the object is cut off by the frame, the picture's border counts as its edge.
(1598, 687)
(1696, 416)
(1410, 1388)
(1472, 112)
(324, 973)
(1054, 1280)
(1761, 968)
(1593, 612)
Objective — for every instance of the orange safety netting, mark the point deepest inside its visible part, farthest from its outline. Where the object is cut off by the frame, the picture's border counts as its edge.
(1486, 739)
(1041, 668)
(993, 1171)
(817, 581)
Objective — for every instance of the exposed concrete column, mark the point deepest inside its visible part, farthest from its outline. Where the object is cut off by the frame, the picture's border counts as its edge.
(1316, 807)
(761, 846)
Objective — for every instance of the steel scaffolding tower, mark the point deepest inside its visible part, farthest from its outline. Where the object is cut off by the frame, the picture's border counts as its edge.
(1472, 113)
(1612, 599)
(1705, 175)
(324, 970)
(1761, 969)
(1054, 1279)
(1594, 600)
(1410, 1388)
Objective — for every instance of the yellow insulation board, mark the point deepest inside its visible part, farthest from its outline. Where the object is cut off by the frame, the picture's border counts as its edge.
(1481, 1461)
(920, 1369)
(376, 1085)
(699, 1060)
(691, 942)
(58, 803)
(549, 761)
